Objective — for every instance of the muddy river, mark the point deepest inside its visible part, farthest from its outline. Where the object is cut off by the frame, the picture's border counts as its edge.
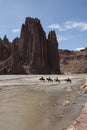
(26, 103)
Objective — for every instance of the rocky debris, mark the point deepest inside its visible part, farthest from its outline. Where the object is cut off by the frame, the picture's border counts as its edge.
(66, 102)
(73, 61)
(32, 52)
(5, 66)
(68, 89)
(70, 128)
(84, 87)
(81, 122)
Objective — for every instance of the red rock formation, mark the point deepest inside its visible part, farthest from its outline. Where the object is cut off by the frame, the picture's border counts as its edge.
(15, 65)
(32, 52)
(53, 54)
(73, 61)
(36, 48)
(5, 50)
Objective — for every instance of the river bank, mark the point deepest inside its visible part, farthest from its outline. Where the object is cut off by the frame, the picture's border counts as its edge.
(81, 122)
(37, 105)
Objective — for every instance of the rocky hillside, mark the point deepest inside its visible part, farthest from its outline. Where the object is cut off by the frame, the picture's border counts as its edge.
(73, 61)
(32, 52)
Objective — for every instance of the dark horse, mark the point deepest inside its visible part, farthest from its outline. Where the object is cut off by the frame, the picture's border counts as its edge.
(49, 79)
(42, 79)
(68, 80)
(57, 80)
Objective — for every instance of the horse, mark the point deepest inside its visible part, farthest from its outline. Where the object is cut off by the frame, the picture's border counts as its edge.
(49, 79)
(68, 80)
(42, 79)
(57, 80)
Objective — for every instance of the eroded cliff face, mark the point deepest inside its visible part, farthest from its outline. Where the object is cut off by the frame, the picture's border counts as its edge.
(72, 62)
(53, 54)
(5, 53)
(5, 50)
(32, 52)
(34, 43)
(15, 60)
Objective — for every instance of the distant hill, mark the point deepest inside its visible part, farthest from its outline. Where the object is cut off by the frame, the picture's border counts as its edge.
(73, 61)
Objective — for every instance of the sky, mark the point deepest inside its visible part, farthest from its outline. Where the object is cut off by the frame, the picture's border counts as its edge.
(67, 17)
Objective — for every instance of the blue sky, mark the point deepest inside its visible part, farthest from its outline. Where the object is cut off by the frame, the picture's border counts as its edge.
(67, 17)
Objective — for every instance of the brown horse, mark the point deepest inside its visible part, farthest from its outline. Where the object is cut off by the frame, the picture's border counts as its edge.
(68, 80)
(49, 79)
(57, 80)
(42, 79)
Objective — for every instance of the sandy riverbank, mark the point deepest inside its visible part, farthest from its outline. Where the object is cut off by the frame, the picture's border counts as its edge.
(39, 105)
(81, 122)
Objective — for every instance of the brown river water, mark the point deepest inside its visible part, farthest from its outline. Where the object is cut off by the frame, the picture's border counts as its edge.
(29, 104)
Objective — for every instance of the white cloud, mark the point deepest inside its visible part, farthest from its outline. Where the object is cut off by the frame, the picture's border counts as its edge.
(62, 38)
(81, 48)
(54, 26)
(82, 26)
(68, 25)
(16, 30)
